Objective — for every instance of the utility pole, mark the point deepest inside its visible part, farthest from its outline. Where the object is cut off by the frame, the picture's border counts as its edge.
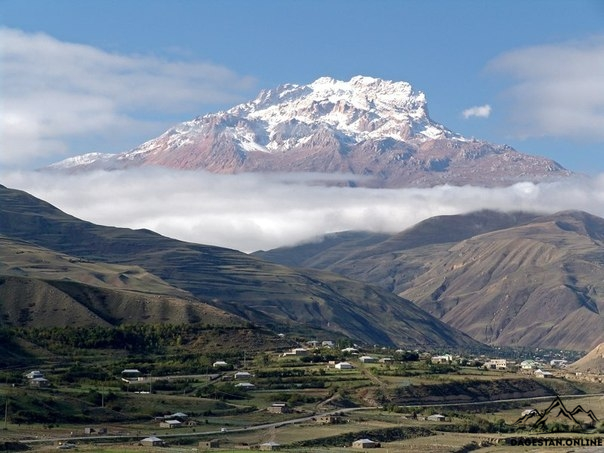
(6, 407)
(6, 413)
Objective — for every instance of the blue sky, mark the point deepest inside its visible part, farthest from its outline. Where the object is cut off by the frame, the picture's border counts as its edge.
(84, 76)
(92, 75)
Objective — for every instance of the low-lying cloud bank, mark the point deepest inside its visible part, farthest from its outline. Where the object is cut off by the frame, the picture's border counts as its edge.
(252, 212)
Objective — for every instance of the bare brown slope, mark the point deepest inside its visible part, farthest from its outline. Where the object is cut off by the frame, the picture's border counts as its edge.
(42, 288)
(29, 302)
(538, 284)
(506, 279)
(393, 261)
(592, 362)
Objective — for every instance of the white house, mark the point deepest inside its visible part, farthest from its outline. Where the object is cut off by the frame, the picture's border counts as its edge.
(443, 359)
(245, 386)
(350, 350)
(367, 359)
(34, 374)
(220, 364)
(344, 366)
(496, 364)
(243, 375)
(296, 352)
(152, 442)
(131, 374)
(365, 443)
(528, 365)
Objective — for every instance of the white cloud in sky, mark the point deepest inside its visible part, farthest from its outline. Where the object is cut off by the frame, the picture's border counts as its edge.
(558, 90)
(54, 92)
(480, 111)
(249, 212)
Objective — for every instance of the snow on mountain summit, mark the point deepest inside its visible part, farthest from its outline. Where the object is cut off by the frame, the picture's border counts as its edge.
(375, 129)
(360, 109)
(279, 119)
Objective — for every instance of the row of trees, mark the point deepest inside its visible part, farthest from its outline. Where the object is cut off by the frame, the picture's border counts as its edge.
(140, 338)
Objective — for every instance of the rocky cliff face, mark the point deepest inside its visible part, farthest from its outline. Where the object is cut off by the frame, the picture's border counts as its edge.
(378, 132)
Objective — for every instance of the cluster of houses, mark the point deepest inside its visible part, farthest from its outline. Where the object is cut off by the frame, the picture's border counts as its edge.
(526, 366)
(538, 369)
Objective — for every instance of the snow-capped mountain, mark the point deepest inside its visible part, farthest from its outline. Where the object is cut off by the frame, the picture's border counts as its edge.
(375, 129)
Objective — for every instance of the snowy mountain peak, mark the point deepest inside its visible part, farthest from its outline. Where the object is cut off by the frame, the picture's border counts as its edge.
(360, 109)
(377, 129)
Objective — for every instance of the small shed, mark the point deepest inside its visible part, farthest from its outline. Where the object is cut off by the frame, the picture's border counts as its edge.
(243, 375)
(39, 382)
(34, 374)
(365, 443)
(152, 441)
(329, 419)
(208, 444)
(245, 386)
(436, 418)
(279, 408)
(170, 424)
(543, 374)
(269, 446)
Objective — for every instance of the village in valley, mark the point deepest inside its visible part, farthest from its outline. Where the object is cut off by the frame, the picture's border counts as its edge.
(311, 397)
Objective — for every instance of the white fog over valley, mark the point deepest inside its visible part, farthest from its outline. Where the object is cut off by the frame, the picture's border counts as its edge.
(250, 212)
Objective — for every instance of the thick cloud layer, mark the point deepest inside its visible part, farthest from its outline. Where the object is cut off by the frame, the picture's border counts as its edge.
(250, 212)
